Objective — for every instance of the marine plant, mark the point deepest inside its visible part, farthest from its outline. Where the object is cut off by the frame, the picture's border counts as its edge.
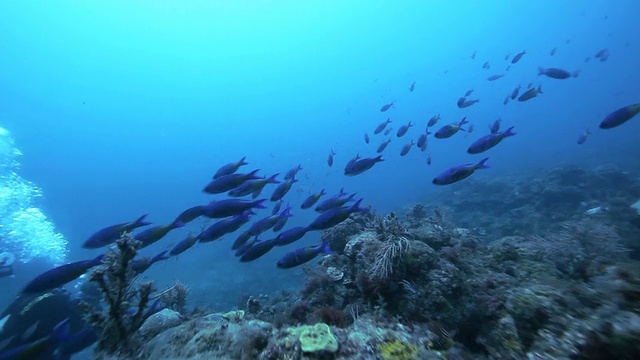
(127, 304)
(397, 350)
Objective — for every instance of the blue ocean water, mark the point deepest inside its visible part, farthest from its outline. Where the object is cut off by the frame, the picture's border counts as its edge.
(125, 108)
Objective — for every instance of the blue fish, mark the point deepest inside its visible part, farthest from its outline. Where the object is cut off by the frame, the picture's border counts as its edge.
(620, 116)
(403, 129)
(283, 219)
(464, 103)
(459, 172)
(495, 77)
(412, 87)
(583, 137)
(312, 199)
(151, 235)
(514, 93)
(183, 245)
(530, 94)
(488, 141)
(241, 242)
(381, 126)
(383, 146)
(253, 187)
(190, 214)
(282, 189)
(362, 165)
(230, 168)
(335, 201)
(291, 235)
(366, 138)
(433, 121)
(143, 264)
(303, 255)
(554, 73)
(330, 158)
(449, 130)
(266, 223)
(228, 182)
(335, 216)
(293, 172)
(386, 107)
(60, 275)
(405, 149)
(258, 249)
(231, 207)
(276, 207)
(112, 233)
(518, 56)
(495, 127)
(223, 227)
(422, 141)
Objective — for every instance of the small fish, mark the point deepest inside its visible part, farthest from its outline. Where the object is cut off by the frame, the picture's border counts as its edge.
(468, 92)
(470, 128)
(434, 119)
(230, 207)
(514, 93)
(506, 57)
(495, 77)
(554, 73)
(429, 159)
(335, 216)
(276, 207)
(553, 52)
(151, 235)
(282, 189)
(383, 146)
(290, 236)
(303, 255)
(230, 168)
(312, 199)
(353, 160)
(362, 165)
(253, 187)
(518, 57)
(39, 348)
(587, 59)
(495, 127)
(224, 227)
(412, 87)
(403, 129)
(335, 201)
(463, 102)
(228, 182)
(530, 94)
(190, 214)
(143, 264)
(266, 223)
(293, 172)
(620, 116)
(576, 73)
(604, 58)
(386, 107)
(449, 130)
(386, 132)
(507, 68)
(366, 138)
(506, 100)
(488, 141)
(112, 233)
(257, 250)
(405, 149)
(381, 126)
(60, 275)
(183, 245)
(422, 141)
(330, 158)
(601, 53)
(284, 217)
(583, 137)
(473, 55)
(242, 241)
(459, 172)
(486, 65)
(595, 210)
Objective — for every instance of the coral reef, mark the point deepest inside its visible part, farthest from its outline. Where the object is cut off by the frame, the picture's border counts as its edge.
(116, 280)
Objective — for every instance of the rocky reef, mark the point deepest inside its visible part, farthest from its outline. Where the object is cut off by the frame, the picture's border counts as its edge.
(538, 268)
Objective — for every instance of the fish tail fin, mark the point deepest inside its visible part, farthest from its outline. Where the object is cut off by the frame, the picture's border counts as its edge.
(509, 132)
(540, 70)
(341, 193)
(326, 247)
(259, 204)
(61, 331)
(253, 173)
(482, 164)
(378, 158)
(540, 89)
(272, 179)
(177, 223)
(242, 161)
(463, 121)
(322, 192)
(141, 221)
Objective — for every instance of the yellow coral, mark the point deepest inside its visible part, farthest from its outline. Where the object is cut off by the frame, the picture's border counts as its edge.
(397, 350)
(318, 338)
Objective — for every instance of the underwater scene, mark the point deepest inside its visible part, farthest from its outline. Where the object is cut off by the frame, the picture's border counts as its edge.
(281, 180)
